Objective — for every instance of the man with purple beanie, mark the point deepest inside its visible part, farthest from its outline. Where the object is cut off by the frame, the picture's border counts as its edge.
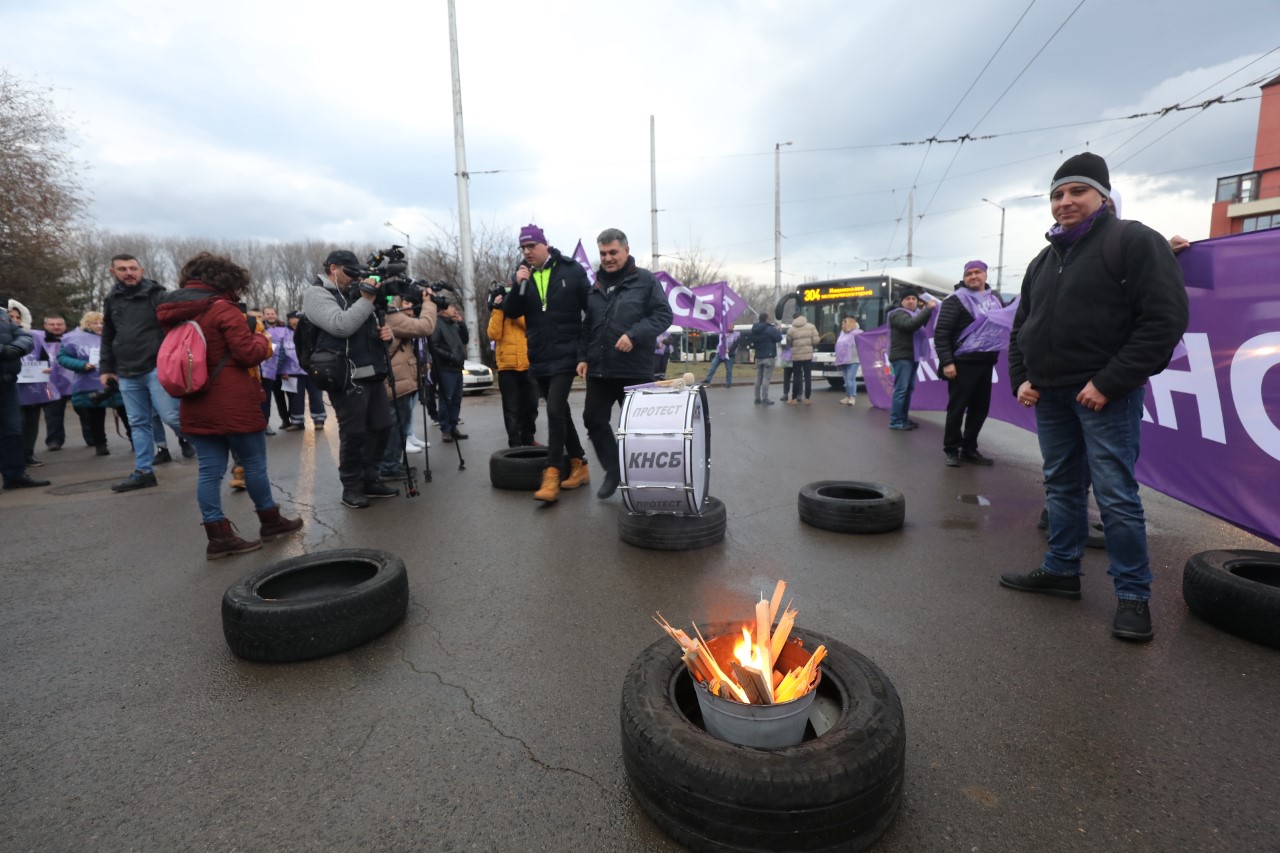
(1085, 340)
(550, 292)
(966, 360)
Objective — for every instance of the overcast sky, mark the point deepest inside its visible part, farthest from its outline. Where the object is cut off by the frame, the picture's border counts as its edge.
(279, 120)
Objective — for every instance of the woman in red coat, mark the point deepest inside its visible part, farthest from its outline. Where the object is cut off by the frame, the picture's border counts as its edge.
(225, 416)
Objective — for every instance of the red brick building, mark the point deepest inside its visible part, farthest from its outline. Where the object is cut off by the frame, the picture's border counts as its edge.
(1251, 201)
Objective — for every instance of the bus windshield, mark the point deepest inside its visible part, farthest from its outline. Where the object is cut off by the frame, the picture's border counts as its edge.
(867, 299)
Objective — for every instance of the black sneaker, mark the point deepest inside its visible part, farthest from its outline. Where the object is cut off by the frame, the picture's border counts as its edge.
(136, 480)
(609, 486)
(162, 457)
(953, 459)
(398, 473)
(102, 450)
(24, 481)
(32, 462)
(294, 428)
(355, 500)
(378, 490)
(973, 457)
(188, 449)
(53, 448)
(767, 402)
(1133, 621)
(458, 436)
(1062, 586)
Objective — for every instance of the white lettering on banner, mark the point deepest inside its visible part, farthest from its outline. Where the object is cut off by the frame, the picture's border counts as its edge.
(1249, 368)
(697, 308)
(1200, 382)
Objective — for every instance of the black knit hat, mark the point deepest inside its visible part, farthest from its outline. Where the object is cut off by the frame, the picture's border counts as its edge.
(1087, 168)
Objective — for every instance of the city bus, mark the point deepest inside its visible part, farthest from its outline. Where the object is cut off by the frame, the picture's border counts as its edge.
(868, 298)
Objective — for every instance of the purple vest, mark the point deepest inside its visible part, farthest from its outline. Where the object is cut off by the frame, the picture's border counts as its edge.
(36, 393)
(78, 344)
(285, 357)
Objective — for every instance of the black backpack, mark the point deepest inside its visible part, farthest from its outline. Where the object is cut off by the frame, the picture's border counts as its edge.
(304, 341)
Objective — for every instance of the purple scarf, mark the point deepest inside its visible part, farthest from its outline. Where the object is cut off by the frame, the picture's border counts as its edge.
(1067, 237)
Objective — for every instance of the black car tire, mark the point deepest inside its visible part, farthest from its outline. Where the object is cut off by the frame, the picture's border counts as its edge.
(849, 506)
(675, 532)
(1237, 591)
(518, 468)
(838, 790)
(315, 605)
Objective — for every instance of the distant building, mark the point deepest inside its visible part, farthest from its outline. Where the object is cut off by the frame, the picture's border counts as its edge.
(1251, 201)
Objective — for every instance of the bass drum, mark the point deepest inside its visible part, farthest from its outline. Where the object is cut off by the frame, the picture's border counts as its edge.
(664, 450)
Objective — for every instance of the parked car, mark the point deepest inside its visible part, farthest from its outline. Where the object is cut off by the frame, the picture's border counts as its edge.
(476, 377)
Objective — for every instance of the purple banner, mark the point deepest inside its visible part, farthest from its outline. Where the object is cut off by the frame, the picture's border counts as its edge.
(580, 255)
(1211, 424)
(710, 307)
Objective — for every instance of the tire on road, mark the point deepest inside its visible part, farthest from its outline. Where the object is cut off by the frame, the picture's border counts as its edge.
(1237, 591)
(518, 468)
(675, 532)
(850, 506)
(836, 790)
(315, 605)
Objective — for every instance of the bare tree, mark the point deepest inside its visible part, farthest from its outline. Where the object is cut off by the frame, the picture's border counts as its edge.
(41, 199)
(694, 266)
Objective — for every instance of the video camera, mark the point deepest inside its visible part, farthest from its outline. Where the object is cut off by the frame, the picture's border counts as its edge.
(495, 290)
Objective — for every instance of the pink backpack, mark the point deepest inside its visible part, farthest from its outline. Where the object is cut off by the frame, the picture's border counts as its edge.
(182, 365)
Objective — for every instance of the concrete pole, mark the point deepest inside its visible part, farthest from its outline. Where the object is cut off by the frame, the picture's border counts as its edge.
(653, 193)
(911, 221)
(777, 221)
(465, 259)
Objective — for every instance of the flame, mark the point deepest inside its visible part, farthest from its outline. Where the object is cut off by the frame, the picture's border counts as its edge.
(749, 654)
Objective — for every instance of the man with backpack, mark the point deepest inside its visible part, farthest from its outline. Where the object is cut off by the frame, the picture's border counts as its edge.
(350, 362)
(131, 338)
(1087, 335)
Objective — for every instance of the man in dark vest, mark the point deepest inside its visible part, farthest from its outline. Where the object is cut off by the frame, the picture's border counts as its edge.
(342, 310)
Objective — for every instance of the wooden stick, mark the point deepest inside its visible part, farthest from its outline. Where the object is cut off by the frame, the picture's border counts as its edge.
(762, 631)
(710, 660)
(780, 635)
(776, 600)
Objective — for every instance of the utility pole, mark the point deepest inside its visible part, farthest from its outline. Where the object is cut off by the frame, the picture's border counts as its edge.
(1000, 261)
(653, 192)
(777, 221)
(465, 259)
(911, 222)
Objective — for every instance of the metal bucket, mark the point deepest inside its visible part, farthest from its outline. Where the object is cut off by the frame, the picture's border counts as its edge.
(757, 725)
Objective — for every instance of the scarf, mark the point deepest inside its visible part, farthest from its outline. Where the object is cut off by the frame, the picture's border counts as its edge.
(608, 279)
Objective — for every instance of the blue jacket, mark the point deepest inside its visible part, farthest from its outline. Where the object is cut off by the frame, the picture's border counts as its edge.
(766, 338)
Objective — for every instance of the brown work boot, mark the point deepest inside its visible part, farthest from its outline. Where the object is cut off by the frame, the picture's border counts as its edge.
(275, 525)
(578, 474)
(550, 490)
(237, 478)
(223, 541)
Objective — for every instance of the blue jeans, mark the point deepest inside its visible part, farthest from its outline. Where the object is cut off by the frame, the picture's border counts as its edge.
(1077, 443)
(904, 383)
(716, 361)
(144, 398)
(850, 380)
(250, 449)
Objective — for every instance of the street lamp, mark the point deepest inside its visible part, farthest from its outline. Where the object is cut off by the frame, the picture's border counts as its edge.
(1000, 260)
(777, 220)
(408, 244)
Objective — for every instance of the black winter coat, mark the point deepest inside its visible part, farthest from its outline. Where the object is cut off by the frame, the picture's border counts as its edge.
(15, 343)
(131, 334)
(636, 307)
(1076, 323)
(449, 344)
(552, 331)
(766, 338)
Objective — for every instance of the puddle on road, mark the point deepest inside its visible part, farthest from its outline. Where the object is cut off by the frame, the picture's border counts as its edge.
(977, 500)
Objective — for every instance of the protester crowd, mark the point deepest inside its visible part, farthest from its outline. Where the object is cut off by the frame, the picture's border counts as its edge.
(1101, 310)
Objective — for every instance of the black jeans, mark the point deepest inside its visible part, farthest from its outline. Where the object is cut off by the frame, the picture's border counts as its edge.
(55, 413)
(364, 424)
(307, 386)
(13, 459)
(803, 375)
(969, 392)
(786, 381)
(30, 428)
(597, 414)
(562, 437)
(519, 406)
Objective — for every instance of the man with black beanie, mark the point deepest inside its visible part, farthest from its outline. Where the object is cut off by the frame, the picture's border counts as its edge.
(1085, 340)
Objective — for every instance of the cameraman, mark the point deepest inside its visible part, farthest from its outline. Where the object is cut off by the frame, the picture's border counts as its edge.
(410, 319)
(448, 354)
(341, 305)
(519, 390)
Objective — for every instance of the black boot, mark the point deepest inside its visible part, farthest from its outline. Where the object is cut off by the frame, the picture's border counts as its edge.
(1061, 586)
(1133, 621)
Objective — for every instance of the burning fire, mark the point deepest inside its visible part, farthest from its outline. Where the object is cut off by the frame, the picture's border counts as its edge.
(751, 676)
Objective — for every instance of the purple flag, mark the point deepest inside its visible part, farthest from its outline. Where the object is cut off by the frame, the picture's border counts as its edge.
(1211, 420)
(709, 307)
(580, 255)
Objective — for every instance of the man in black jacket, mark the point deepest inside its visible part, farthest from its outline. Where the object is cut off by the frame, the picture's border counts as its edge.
(626, 311)
(1085, 340)
(131, 338)
(966, 361)
(15, 342)
(550, 292)
(448, 356)
(348, 331)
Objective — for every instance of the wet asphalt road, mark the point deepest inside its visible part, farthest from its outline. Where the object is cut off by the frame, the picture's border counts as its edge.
(489, 719)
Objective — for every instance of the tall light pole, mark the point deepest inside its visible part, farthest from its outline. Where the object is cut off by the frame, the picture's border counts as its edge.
(1000, 260)
(465, 260)
(777, 221)
(408, 244)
